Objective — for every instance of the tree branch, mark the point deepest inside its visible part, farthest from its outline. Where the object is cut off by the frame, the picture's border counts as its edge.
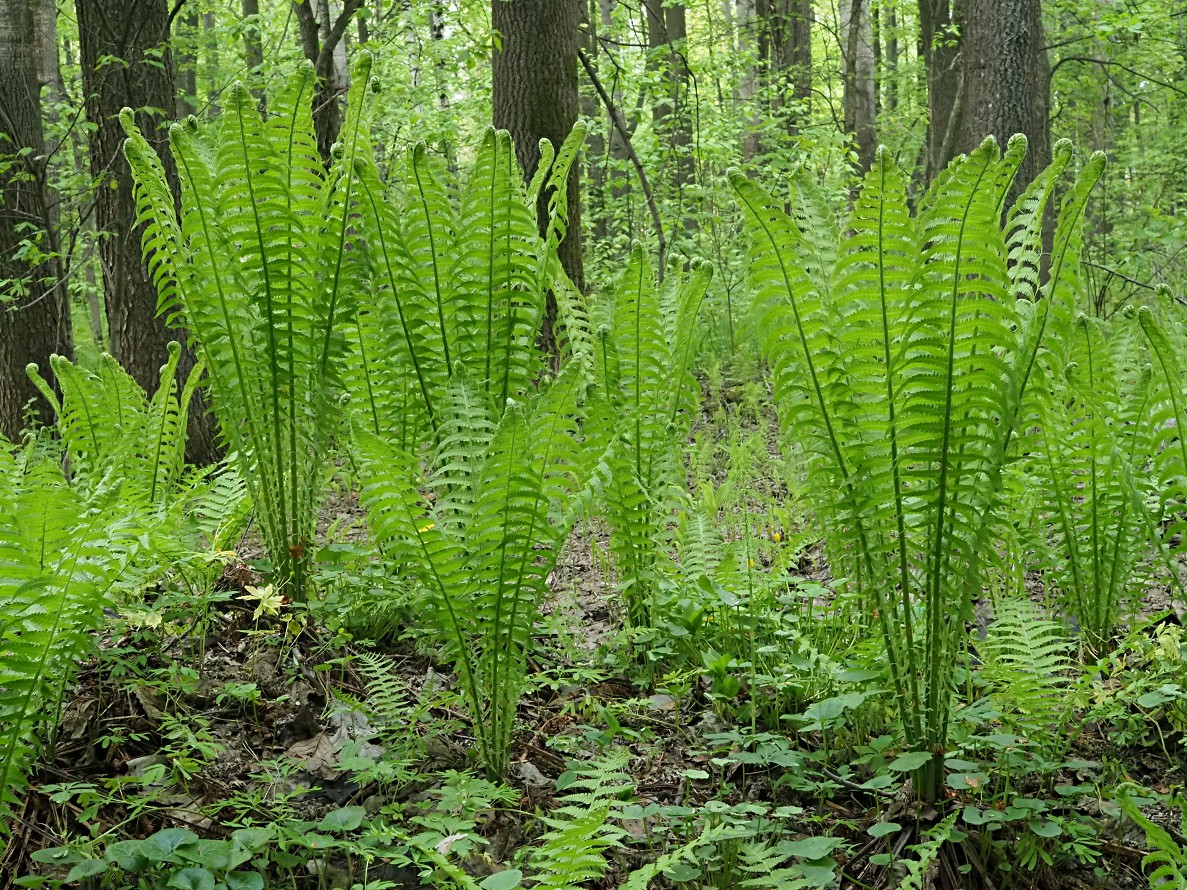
(349, 8)
(620, 125)
(1105, 63)
(178, 4)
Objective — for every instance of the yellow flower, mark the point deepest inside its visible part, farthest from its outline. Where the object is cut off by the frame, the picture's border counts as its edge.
(268, 600)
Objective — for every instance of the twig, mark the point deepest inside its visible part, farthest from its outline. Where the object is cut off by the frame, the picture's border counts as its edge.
(620, 125)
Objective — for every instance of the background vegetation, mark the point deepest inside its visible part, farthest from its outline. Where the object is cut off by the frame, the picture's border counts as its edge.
(754, 461)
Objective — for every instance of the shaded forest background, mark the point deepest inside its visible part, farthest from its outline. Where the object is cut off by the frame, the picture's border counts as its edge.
(674, 94)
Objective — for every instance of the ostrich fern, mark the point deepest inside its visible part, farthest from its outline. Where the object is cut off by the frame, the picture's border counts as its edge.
(457, 279)
(256, 264)
(642, 401)
(105, 421)
(62, 553)
(901, 355)
(1091, 446)
(480, 534)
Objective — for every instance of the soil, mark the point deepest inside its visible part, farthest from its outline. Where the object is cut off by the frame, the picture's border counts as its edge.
(291, 738)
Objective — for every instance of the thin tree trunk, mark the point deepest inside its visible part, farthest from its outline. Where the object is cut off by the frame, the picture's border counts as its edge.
(859, 95)
(253, 46)
(939, 46)
(186, 26)
(321, 41)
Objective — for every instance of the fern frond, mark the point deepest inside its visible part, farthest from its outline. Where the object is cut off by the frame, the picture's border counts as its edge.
(1167, 860)
(61, 556)
(1028, 660)
(255, 262)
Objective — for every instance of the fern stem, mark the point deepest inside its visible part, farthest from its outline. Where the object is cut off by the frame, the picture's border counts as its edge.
(417, 157)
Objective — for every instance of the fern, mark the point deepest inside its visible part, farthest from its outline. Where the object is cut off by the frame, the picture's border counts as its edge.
(642, 877)
(62, 555)
(1167, 860)
(457, 279)
(1027, 661)
(573, 852)
(104, 421)
(1167, 419)
(1092, 446)
(256, 264)
(900, 366)
(479, 534)
(642, 400)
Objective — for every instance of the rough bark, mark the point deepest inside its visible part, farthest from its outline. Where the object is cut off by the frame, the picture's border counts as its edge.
(859, 90)
(534, 80)
(1006, 81)
(671, 110)
(34, 309)
(787, 35)
(253, 47)
(135, 32)
(939, 46)
(322, 43)
(186, 73)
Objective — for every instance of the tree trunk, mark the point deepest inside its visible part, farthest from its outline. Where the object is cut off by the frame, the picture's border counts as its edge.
(142, 79)
(253, 47)
(534, 81)
(939, 46)
(666, 34)
(859, 98)
(211, 46)
(184, 38)
(787, 26)
(1006, 81)
(34, 308)
(321, 41)
(747, 89)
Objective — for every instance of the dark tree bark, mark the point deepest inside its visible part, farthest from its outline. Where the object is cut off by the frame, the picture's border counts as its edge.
(136, 33)
(34, 308)
(186, 75)
(321, 38)
(591, 109)
(534, 79)
(1007, 81)
(939, 46)
(786, 38)
(253, 47)
(672, 110)
(781, 35)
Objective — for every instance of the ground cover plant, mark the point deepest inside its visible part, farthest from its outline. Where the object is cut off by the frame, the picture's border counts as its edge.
(882, 594)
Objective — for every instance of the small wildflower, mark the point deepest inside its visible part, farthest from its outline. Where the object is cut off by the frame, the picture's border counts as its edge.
(268, 601)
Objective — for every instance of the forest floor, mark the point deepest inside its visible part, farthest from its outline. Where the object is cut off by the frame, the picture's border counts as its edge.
(220, 719)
